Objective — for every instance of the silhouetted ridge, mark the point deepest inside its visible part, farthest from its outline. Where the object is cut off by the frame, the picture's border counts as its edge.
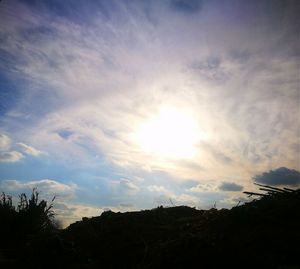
(263, 233)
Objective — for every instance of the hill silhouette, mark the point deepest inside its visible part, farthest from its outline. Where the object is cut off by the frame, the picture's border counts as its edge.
(263, 233)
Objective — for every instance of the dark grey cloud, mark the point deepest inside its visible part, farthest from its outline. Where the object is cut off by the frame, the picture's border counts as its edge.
(230, 186)
(188, 6)
(279, 176)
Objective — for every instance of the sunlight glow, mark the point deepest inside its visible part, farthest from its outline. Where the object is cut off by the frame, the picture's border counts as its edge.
(172, 133)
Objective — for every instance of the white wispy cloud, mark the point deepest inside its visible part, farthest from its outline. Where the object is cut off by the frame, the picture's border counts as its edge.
(124, 186)
(207, 186)
(47, 187)
(7, 154)
(10, 156)
(163, 196)
(29, 149)
(5, 142)
(188, 200)
(162, 190)
(124, 183)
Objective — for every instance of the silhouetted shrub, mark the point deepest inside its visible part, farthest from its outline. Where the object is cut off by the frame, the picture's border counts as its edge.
(6, 203)
(31, 216)
(8, 217)
(35, 215)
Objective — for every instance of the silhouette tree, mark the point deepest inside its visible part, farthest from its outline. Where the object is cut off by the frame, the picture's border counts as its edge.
(6, 203)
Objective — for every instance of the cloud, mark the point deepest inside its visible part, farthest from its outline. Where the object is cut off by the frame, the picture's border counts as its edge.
(230, 186)
(10, 156)
(162, 196)
(204, 187)
(5, 142)
(128, 185)
(70, 212)
(124, 186)
(160, 189)
(188, 200)
(46, 187)
(279, 176)
(13, 155)
(29, 149)
(169, 198)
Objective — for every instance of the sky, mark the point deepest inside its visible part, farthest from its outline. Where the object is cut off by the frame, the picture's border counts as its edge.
(127, 105)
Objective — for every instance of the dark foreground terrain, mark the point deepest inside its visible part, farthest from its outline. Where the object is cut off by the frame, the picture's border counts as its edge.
(264, 233)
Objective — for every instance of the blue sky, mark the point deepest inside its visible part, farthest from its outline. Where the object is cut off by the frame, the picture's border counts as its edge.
(133, 104)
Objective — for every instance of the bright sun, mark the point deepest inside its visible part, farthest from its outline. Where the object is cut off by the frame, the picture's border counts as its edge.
(172, 133)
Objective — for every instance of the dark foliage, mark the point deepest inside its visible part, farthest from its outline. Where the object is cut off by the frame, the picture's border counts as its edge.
(30, 218)
(263, 233)
(35, 215)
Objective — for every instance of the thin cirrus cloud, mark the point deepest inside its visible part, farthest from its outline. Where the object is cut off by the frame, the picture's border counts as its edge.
(29, 149)
(126, 91)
